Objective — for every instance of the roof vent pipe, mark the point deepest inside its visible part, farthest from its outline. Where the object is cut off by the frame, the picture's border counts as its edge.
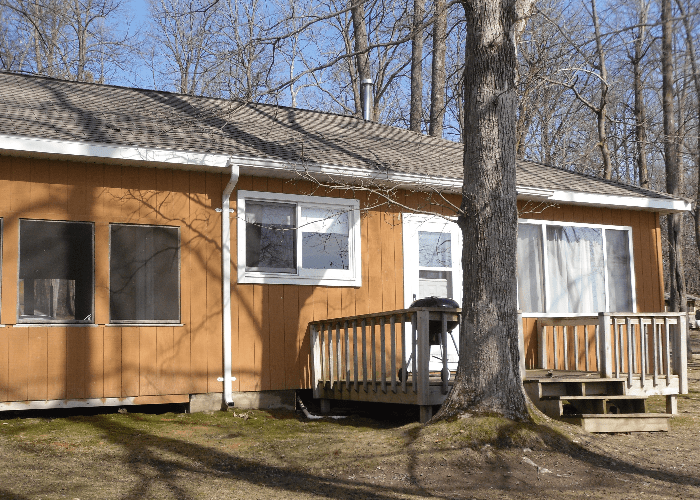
(366, 98)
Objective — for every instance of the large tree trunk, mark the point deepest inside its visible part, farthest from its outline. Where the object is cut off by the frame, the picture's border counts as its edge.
(488, 378)
(361, 46)
(437, 89)
(416, 113)
(673, 173)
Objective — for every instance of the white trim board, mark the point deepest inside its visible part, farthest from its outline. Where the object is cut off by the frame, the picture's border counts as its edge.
(188, 160)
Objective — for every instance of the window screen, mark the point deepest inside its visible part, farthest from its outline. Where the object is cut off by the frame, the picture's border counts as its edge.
(144, 274)
(56, 269)
(270, 237)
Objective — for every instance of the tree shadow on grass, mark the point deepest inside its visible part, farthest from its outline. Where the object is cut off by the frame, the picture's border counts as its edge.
(161, 460)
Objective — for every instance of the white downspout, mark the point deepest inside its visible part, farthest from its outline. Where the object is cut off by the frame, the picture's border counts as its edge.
(226, 281)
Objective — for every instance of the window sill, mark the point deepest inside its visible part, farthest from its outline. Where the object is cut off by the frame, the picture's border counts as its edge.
(298, 280)
(137, 325)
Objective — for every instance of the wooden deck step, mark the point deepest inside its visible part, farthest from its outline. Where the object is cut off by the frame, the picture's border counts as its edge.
(629, 422)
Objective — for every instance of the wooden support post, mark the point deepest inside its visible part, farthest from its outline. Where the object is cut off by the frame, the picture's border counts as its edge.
(605, 356)
(445, 368)
(671, 404)
(325, 405)
(382, 353)
(422, 378)
(316, 360)
(426, 413)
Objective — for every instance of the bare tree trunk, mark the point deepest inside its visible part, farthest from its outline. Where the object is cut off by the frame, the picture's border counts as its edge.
(639, 105)
(416, 113)
(361, 46)
(601, 112)
(437, 89)
(488, 378)
(673, 173)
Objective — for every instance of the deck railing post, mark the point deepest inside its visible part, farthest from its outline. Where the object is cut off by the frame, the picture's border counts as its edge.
(422, 378)
(606, 355)
(316, 360)
(680, 352)
(542, 344)
(521, 345)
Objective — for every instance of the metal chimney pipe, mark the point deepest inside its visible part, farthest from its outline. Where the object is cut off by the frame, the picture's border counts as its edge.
(366, 98)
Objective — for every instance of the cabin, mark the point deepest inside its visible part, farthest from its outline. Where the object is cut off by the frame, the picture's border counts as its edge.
(166, 248)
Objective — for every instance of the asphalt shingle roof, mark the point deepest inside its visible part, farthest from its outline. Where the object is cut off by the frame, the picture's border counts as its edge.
(54, 109)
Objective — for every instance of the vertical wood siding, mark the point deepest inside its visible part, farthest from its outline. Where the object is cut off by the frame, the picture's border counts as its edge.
(270, 342)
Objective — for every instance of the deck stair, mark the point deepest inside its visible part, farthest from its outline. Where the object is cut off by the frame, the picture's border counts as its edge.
(596, 404)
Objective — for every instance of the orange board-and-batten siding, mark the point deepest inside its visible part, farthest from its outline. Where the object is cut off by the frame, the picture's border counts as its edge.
(270, 343)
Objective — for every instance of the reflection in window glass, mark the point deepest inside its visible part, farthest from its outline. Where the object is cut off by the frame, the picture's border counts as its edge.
(55, 271)
(619, 277)
(270, 237)
(144, 273)
(434, 249)
(325, 238)
(575, 269)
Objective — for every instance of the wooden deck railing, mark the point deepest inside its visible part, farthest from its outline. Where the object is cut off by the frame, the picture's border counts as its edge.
(645, 345)
(368, 353)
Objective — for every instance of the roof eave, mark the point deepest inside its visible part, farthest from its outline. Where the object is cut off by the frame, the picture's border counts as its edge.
(187, 160)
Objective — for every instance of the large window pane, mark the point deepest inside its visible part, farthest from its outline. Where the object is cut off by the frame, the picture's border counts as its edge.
(530, 268)
(575, 271)
(55, 271)
(270, 237)
(619, 276)
(144, 273)
(434, 249)
(324, 239)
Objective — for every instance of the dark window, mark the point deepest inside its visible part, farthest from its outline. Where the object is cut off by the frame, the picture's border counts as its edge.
(56, 269)
(144, 274)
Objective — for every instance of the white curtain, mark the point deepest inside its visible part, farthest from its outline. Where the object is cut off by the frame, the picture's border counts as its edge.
(530, 267)
(575, 270)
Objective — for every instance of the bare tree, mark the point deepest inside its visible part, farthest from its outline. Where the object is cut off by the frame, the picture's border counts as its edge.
(673, 171)
(488, 379)
(437, 88)
(416, 113)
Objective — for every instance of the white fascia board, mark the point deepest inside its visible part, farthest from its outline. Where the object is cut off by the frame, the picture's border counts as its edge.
(663, 205)
(286, 169)
(126, 154)
(353, 175)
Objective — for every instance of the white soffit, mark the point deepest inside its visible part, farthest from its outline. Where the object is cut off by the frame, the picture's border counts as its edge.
(51, 148)
(36, 147)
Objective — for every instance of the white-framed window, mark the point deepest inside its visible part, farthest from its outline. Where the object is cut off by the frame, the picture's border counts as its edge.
(296, 239)
(570, 268)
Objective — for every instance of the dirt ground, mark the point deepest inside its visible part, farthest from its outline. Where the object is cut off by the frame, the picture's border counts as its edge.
(374, 453)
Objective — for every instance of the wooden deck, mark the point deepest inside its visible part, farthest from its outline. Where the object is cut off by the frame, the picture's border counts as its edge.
(386, 357)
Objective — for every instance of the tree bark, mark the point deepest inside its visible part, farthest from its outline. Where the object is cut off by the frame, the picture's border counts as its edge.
(416, 112)
(488, 378)
(361, 47)
(437, 89)
(602, 111)
(673, 174)
(640, 119)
